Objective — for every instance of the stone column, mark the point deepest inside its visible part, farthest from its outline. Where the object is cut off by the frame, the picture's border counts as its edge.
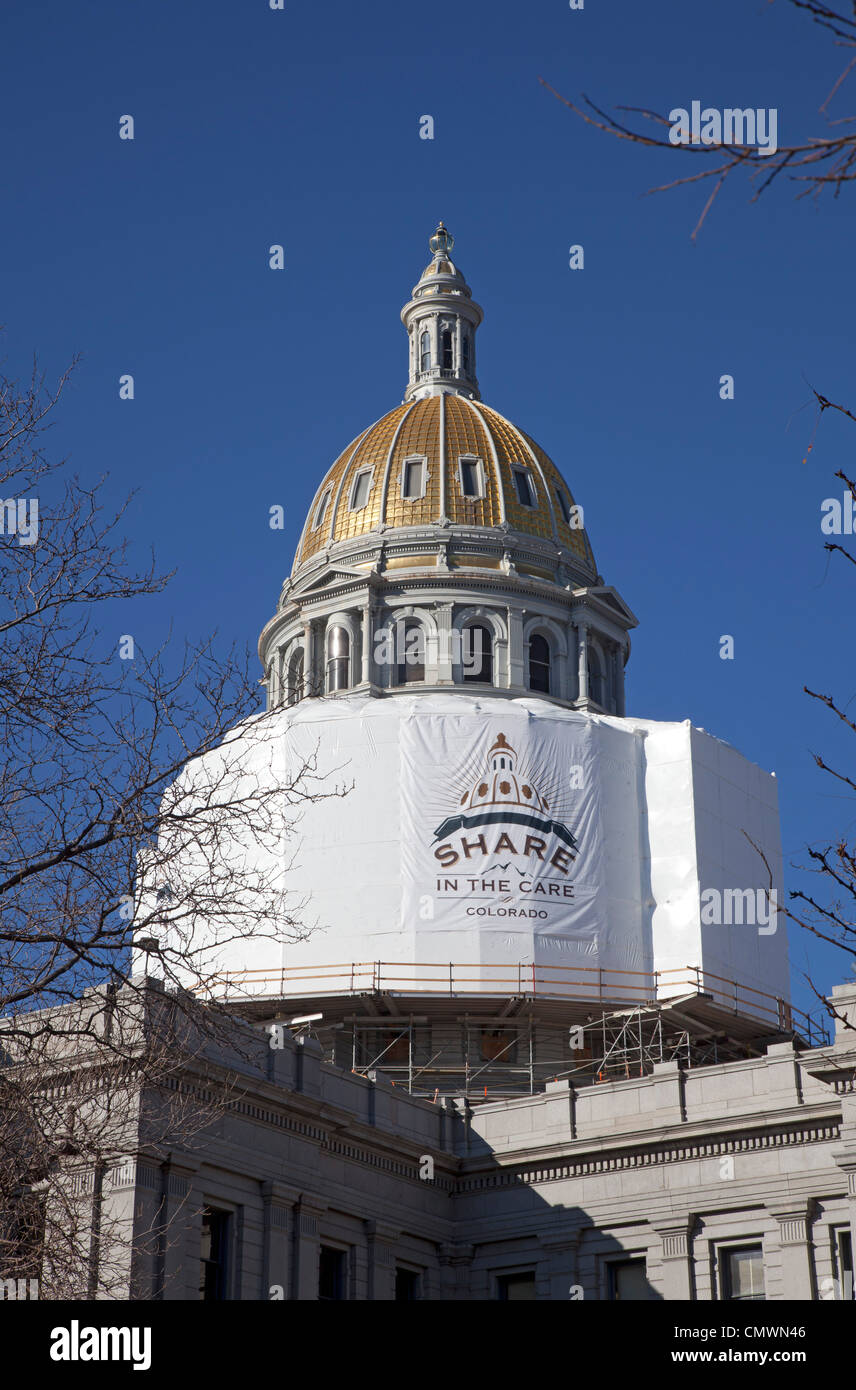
(368, 643)
(307, 1251)
(308, 660)
(562, 1284)
(455, 1261)
(516, 662)
(847, 1162)
(381, 1241)
(278, 1204)
(797, 1274)
(582, 658)
(675, 1280)
(180, 1231)
(443, 656)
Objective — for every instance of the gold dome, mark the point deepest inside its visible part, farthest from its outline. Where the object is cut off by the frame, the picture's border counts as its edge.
(440, 430)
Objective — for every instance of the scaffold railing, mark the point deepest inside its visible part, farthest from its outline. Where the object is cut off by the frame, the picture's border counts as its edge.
(456, 979)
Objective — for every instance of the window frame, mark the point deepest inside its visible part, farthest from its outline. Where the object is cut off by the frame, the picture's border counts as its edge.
(502, 1278)
(223, 1262)
(466, 678)
(352, 491)
(565, 504)
(533, 637)
(321, 509)
(520, 470)
(723, 1253)
(478, 462)
(422, 460)
(330, 660)
(627, 1257)
(343, 1272)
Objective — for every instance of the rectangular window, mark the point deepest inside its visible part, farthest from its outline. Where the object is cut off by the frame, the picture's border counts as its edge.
(845, 1265)
(214, 1255)
(628, 1281)
(332, 1272)
(322, 507)
(360, 493)
(406, 1285)
(412, 481)
(470, 477)
(515, 1287)
(523, 485)
(742, 1273)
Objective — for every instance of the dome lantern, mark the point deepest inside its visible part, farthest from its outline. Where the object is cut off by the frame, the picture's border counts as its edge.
(441, 321)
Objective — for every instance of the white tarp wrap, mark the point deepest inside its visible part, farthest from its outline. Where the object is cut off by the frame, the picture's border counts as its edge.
(500, 824)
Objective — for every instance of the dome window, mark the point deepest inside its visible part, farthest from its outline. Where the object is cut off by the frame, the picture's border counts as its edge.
(360, 490)
(413, 479)
(338, 659)
(596, 679)
(539, 664)
(322, 508)
(294, 683)
(447, 356)
(523, 485)
(564, 505)
(478, 654)
(425, 352)
(471, 476)
(410, 645)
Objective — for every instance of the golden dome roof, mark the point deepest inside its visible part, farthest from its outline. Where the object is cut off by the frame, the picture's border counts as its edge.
(440, 430)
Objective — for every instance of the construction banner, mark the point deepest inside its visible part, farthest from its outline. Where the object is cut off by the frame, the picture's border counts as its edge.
(500, 823)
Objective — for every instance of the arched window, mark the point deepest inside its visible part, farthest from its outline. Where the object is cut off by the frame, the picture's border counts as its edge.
(338, 659)
(410, 652)
(447, 359)
(477, 654)
(539, 664)
(294, 684)
(465, 348)
(425, 351)
(596, 683)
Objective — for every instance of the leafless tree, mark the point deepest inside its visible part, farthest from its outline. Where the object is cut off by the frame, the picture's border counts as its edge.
(819, 164)
(143, 799)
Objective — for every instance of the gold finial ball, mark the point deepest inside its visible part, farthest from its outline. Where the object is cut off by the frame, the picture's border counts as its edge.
(442, 241)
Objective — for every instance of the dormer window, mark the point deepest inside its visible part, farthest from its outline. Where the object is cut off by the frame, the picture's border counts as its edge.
(360, 490)
(523, 485)
(413, 479)
(321, 509)
(425, 352)
(564, 505)
(471, 476)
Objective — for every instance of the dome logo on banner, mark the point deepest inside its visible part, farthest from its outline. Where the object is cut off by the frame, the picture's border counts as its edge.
(500, 798)
(522, 841)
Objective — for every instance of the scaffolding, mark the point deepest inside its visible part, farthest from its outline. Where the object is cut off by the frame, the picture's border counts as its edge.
(482, 1056)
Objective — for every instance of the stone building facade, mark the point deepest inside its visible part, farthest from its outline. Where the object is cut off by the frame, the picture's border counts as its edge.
(707, 1183)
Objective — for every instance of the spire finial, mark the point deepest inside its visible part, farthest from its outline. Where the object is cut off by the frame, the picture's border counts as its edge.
(442, 241)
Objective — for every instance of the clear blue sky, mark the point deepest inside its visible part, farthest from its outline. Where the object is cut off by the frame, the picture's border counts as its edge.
(300, 127)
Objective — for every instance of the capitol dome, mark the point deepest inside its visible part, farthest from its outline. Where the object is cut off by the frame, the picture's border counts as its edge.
(513, 854)
(448, 460)
(444, 548)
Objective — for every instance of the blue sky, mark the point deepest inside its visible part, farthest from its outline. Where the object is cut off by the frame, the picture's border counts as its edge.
(300, 127)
